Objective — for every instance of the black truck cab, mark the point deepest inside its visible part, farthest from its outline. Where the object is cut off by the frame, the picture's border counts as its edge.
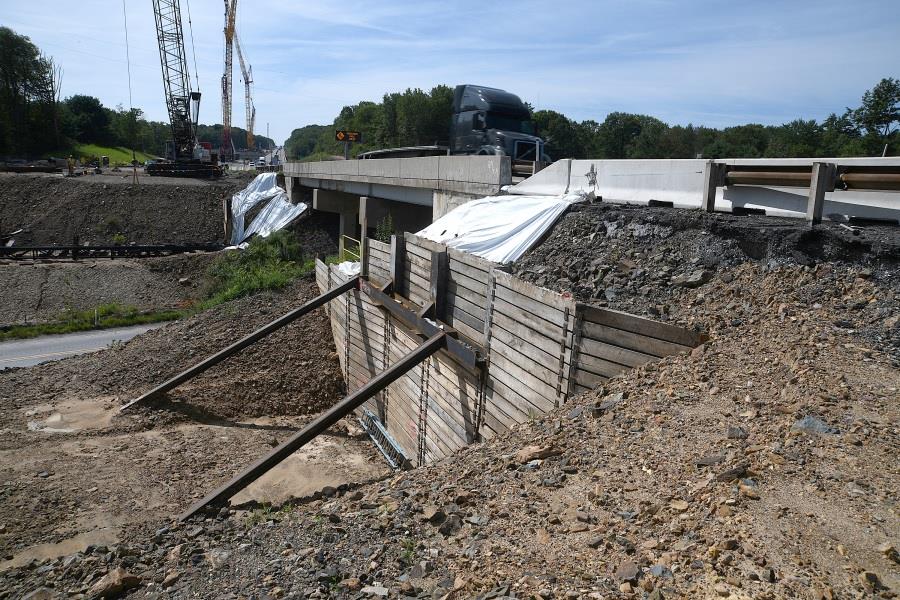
(491, 121)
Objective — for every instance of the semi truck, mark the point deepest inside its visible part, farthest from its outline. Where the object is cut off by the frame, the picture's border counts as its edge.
(486, 121)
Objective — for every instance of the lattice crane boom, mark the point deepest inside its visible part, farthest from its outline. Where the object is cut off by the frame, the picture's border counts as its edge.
(181, 102)
(230, 15)
(248, 97)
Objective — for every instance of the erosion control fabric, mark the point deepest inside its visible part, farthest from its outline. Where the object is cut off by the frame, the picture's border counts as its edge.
(276, 214)
(499, 228)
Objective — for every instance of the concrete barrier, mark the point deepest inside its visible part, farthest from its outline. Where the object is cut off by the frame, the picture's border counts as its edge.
(681, 182)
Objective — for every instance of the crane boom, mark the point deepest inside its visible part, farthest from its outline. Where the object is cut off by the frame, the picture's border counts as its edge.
(180, 100)
(230, 15)
(248, 98)
(187, 157)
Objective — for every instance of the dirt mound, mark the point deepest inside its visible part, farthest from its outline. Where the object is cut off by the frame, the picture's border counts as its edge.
(757, 466)
(292, 372)
(35, 291)
(52, 210)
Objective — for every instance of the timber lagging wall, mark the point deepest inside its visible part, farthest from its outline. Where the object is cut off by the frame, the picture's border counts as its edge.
(539, 346)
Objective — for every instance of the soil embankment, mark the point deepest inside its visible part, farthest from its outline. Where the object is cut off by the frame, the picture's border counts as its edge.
(760, 465)
(52, 210)
(42, 291)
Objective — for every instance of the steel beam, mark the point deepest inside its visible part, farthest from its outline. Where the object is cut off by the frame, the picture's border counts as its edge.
(320, 424)
(246, 341)
(468, 356)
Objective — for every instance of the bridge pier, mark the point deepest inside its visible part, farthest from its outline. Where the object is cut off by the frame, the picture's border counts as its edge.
(341, 203)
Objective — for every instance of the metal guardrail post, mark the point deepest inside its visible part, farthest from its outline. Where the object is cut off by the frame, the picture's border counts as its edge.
(822, 181)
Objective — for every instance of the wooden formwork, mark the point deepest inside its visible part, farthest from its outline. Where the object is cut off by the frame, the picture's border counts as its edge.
(538, 346)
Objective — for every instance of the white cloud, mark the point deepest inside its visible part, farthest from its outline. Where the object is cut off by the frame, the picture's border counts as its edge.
(705, 62)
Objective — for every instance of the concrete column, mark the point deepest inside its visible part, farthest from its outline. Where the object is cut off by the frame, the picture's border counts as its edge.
(292, 187)
(822, 181)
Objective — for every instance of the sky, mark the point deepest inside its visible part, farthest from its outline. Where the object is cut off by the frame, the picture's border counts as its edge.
(714, 63)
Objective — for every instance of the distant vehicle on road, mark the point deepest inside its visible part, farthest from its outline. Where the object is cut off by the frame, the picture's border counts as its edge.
(261, 161)
(486, 121)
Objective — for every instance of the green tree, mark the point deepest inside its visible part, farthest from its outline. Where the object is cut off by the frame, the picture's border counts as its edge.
(27, 96)
(880, 109)
(564, 137)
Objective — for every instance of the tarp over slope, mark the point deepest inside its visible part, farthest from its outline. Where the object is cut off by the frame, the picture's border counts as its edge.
(499, 228)
(277, 213)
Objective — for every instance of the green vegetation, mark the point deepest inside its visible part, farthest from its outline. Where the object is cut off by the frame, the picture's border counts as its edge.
(267, 264)
(35, 121)
(103, 317)
(385, 229)
(117, 154)
(415, 117)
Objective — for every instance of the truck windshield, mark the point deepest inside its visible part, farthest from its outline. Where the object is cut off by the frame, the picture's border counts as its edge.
(509, 123)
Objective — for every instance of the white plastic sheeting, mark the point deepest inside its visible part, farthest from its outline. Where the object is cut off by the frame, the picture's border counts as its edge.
(499, 228)
(349, 268)
(277, 213)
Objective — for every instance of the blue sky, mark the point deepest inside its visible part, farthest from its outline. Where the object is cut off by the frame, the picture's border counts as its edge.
(714, 63)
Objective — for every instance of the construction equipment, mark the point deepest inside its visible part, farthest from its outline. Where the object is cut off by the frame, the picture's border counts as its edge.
(185, 157)
(248, 99)
(485, 121)
(227, 152)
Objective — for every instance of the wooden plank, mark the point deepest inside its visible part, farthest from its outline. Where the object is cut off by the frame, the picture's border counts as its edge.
(589, 380)
(475, 298)
(541, 295)
(470, 259)
(476, 308)
(419, 281)
(519, 345)
(460, 316)
(641, 326)
(598, 366)
(414, 250)
(398, 258)
(473, 276)
(515, 408)
(461, 280)
(532, 328)
(630, 341)
(474, 335)
(551, 314)
(546, 373)
(424, 243)
(538, 394)
(453, 431)
(547, 347)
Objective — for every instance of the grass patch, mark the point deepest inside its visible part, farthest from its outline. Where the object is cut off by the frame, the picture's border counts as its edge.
(103, 317)
(267, 264)
(119, 154)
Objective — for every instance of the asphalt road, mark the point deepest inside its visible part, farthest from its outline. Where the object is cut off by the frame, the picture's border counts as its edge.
(24, 353)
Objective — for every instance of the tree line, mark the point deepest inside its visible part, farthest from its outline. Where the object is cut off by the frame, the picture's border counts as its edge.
(416, 117)
(35, 121)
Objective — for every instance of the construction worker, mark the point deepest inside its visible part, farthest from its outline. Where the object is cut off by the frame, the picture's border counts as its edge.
(70, 165)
